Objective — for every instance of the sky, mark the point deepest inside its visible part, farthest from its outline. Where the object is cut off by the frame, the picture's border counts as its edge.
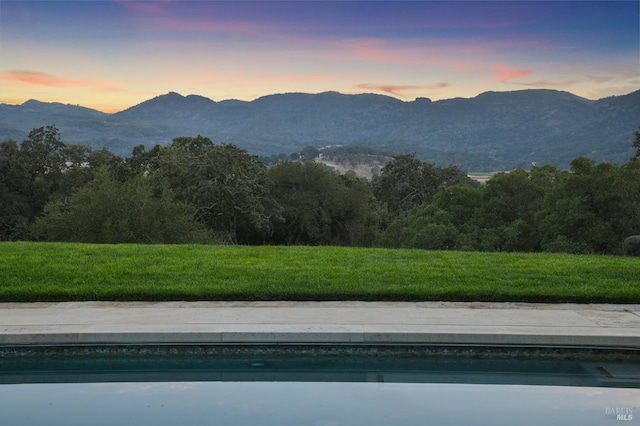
(110, 55)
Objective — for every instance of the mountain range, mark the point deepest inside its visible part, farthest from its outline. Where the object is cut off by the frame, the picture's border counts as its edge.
(492, 131)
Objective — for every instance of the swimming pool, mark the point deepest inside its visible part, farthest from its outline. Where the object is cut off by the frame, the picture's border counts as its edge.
(317, 385)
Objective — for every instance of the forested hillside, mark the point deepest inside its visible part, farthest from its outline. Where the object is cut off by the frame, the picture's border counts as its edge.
(493, 131)
(195, 191)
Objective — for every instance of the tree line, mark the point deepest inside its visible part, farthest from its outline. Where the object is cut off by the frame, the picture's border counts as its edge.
(195, 191)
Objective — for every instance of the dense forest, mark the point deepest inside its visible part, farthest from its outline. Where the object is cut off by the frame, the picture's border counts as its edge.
(196, 191)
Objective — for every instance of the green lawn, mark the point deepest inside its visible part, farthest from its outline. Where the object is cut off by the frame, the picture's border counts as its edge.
(72, 272)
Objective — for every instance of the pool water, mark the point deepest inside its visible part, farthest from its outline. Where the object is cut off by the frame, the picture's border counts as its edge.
(308, 387)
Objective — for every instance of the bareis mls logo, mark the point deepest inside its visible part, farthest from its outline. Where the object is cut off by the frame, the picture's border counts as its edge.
(619, 413)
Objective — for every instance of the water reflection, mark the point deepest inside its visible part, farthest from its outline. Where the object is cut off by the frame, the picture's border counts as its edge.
(309, 403)
(314, 368)
(303, 388)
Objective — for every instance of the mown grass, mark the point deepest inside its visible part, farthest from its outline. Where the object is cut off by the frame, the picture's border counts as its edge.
(32, 272)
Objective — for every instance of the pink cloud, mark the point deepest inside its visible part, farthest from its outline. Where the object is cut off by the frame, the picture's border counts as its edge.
(43, 79)
(373, 49)
(457, 54)
(506, 73)
(396, 90)
(39, 78)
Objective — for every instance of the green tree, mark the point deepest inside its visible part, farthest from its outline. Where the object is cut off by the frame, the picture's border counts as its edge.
(44, 158)
(425, 227)
(45, 151)
(76, 172)
(32, 174)
(356, 217)
(228, 187)
(498, 216)
(593, 208)
(510, 204)
(439, 224)
(143, 161)
(109, 211)
(105, 159)
(307, 194)
(407, 182)
(16, 208)
(322, 207)
(636, 145)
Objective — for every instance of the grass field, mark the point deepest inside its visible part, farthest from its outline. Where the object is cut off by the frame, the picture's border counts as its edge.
(73, 272)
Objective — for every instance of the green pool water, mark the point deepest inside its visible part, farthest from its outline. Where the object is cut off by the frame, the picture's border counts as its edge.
(317, 386)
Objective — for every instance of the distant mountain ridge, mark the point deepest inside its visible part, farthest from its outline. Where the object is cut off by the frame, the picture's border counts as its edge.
(492, 131)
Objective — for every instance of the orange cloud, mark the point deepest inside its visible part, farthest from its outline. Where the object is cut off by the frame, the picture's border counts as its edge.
(506, 73)
(396, 90)
(49, 80)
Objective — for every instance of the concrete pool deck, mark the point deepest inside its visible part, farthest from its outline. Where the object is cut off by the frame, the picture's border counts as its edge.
(105, 323)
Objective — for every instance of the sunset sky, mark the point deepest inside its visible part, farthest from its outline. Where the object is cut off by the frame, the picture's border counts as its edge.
(110, 55)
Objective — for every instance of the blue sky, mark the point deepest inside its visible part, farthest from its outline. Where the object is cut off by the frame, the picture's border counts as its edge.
(110, 55)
